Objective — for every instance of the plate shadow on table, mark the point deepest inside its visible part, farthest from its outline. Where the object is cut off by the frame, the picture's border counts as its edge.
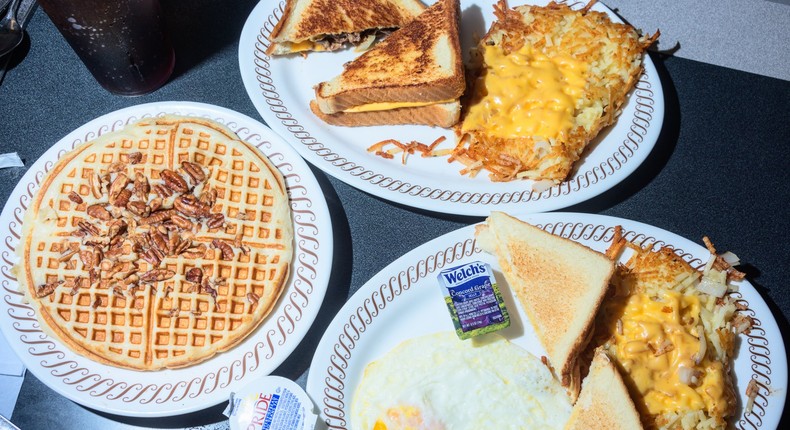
(200, 28)
(655, 162)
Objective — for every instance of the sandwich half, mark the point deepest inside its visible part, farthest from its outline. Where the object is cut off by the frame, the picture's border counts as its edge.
(604, 402)
(327, 25)
(414, 76)
(559, 283)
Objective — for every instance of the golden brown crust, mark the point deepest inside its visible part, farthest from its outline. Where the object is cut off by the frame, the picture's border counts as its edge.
(337, 17)
(437, 115)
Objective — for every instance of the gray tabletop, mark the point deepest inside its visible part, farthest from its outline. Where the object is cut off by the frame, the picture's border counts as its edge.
(719, 169)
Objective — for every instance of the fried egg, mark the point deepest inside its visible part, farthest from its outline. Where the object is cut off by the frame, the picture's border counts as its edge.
(439, 382)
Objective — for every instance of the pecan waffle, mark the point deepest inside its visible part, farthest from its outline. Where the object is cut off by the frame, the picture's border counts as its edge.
(157, 246)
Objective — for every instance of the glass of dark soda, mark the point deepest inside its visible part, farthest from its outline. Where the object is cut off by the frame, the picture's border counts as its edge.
(122, 42)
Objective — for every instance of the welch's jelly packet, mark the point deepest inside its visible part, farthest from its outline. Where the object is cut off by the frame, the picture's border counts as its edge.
(473, 299)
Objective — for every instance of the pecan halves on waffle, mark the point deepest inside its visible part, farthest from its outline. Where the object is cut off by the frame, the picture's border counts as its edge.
(181, 222)
(208, 197)
(191, 207)
(47, 289)
(75, 285)
(194, 275)
(134, 157)
(141, 186)
(163, 191)
(74, 197)
(194, 252)
(253, 298)
(99, 212)
(156, 275)
(157, 217)
(96, 185)
(118, 186)
(226, 251)
(87, 228)
(174, 181)
(151, 256)
(216, 220)
(194, 171)
(138, 208)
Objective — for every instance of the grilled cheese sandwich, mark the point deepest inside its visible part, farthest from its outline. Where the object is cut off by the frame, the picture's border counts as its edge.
(328, 25)
(415, 76)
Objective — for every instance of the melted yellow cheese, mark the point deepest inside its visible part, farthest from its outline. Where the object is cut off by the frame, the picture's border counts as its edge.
(305, 45)
(390, 105)
(526, 93)
(652, 325)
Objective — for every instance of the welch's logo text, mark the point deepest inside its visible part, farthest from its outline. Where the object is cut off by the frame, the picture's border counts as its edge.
(460, 274)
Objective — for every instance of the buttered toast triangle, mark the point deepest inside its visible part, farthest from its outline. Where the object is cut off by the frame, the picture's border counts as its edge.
(559, 283)
(327, 25)
(158, 245)
(604, 402)
(416, 69)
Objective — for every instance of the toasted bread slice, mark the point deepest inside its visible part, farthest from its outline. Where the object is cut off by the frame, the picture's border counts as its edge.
(438, 115)
(548, 79)
(560, 284)
(420, 64)
(604, 402)
(327, 25)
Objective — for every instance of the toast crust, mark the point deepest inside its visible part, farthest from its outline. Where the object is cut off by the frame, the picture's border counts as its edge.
(437, 115)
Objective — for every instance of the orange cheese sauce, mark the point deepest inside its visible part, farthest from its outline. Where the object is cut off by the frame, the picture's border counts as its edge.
(669, 322)
(526, 93)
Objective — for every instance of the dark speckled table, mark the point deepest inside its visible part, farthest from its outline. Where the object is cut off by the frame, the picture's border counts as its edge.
(720, 168)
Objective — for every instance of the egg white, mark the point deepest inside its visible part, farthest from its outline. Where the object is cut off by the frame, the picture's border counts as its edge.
(438, 381)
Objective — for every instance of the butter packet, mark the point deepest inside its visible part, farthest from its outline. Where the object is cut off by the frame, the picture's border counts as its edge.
(271, 403)
(473, 299)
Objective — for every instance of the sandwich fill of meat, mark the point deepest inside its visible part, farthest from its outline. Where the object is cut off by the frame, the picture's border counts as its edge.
(546, 81)
(414, 76)
(328, 25)
(672, 330)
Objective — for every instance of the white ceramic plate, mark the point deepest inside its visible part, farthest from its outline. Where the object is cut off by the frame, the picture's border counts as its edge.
(404, 301)
(172, 392)
(282, 87)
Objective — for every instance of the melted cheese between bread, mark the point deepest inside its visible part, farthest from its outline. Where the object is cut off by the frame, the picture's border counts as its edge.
(379, 106)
